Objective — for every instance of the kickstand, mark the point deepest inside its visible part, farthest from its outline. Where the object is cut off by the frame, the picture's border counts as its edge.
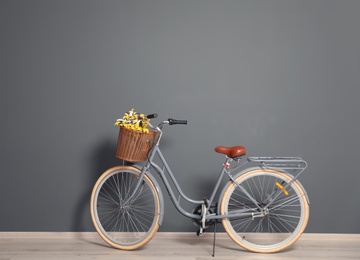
(215, 224)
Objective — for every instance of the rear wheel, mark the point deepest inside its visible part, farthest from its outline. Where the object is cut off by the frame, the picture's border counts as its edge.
(265, 230)
(124, 221)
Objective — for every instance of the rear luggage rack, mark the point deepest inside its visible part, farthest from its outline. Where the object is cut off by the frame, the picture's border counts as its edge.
(285, 163)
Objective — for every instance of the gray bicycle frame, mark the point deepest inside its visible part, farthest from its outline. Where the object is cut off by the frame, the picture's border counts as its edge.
(282, 164)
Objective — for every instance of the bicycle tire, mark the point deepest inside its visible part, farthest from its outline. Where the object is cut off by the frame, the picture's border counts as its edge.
(123, 222)
(286, 219)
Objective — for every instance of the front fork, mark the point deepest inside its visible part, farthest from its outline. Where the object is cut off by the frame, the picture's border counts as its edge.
(139, 185)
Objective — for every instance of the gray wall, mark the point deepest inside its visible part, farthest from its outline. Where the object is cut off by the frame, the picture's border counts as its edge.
(279, 77)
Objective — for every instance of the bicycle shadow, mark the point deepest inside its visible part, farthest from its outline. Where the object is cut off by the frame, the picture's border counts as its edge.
(100, 159)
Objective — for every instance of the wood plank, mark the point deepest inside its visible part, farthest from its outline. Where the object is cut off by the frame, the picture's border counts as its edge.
(88, 245)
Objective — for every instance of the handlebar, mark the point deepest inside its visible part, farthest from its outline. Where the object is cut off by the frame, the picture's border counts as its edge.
(177, 122)
(152, 116)
(170, 121)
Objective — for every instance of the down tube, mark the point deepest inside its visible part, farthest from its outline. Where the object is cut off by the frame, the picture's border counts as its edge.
(176, 184)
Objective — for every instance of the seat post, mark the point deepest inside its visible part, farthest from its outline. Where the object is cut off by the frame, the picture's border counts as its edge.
(227, 162)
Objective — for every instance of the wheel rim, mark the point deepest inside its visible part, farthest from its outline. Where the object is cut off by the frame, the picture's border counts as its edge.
(123, 221)
(279, 225)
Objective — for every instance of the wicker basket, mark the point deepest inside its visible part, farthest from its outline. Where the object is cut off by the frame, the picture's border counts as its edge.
(134, 146)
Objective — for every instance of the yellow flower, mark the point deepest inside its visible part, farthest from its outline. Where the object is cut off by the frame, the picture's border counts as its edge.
(135, 121)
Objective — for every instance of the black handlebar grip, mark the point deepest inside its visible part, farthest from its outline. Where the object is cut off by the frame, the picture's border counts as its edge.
(177, 122)
(152, 116)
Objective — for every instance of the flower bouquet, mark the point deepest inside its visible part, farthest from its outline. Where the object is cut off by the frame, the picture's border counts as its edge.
(135, 139)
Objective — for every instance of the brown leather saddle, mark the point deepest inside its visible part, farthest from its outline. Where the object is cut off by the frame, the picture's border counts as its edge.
(232, 152)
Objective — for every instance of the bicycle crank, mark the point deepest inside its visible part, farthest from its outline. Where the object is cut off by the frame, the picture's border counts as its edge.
(202, 222)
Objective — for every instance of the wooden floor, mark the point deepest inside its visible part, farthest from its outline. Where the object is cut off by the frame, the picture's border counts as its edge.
(169, 246)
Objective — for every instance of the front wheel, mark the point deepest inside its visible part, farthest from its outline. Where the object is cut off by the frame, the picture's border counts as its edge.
(265, 229)
(124, 219)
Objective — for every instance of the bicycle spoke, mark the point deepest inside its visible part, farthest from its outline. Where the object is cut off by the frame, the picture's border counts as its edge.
(126, 219)
(272, 226)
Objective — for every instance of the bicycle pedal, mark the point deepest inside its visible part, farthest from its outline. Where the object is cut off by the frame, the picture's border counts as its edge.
(200, 232)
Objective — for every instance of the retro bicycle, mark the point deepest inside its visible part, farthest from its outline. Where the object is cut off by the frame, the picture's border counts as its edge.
(263, 208)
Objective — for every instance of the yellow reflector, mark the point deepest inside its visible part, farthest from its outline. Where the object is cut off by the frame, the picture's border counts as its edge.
(282, 188)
